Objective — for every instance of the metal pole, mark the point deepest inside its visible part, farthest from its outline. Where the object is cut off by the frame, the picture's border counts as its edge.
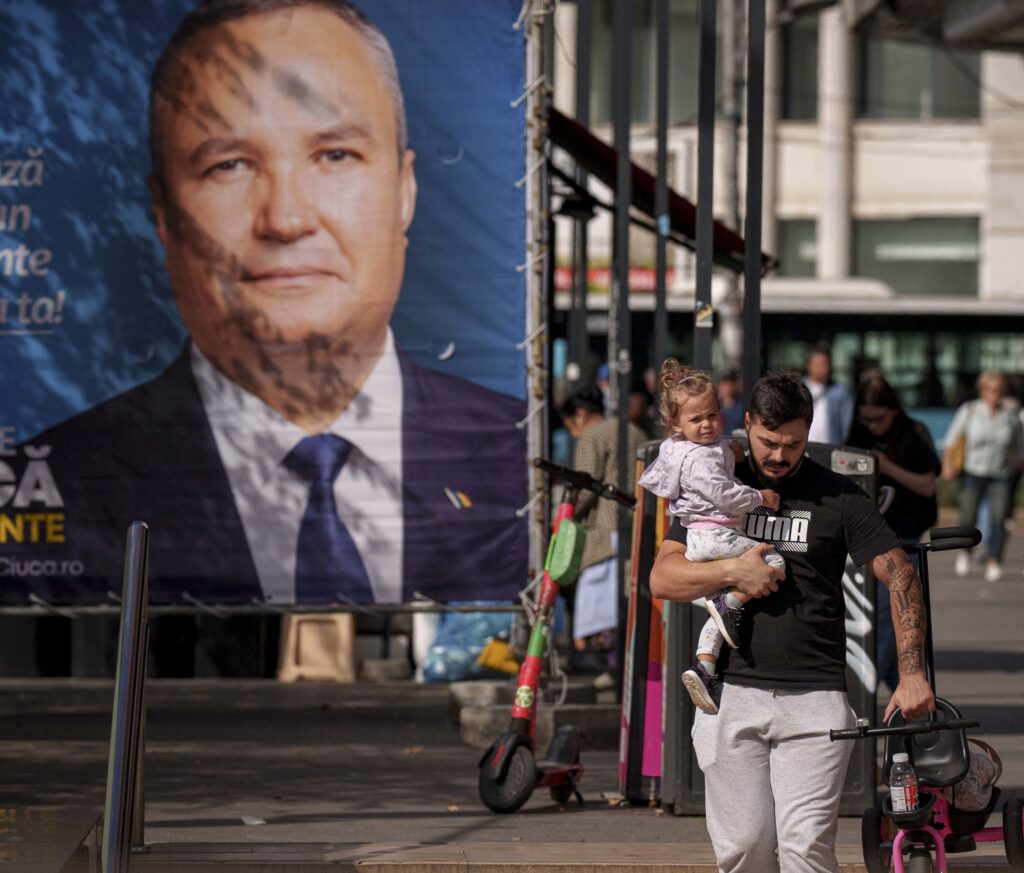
(702, 323)
(138, 832)
(578, 340)
(730, 318)
(536, 348)
(755, 180)
(619, 358)
(661, 185)
(126, 729)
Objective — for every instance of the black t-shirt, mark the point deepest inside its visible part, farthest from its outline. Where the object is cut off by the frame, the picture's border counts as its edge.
(796, 637)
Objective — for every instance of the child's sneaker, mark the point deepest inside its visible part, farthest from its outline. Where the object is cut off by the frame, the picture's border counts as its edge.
(726, 617)
(704, 688)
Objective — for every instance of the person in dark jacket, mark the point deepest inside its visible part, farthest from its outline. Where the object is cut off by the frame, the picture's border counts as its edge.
(908, 463)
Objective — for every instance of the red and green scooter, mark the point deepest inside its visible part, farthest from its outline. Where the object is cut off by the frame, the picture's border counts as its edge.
(509, 772)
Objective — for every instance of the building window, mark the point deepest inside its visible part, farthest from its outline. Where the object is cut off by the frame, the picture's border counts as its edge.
(799, 44)
(925, 256)
(907, 80)
(798, 247)
(684, 57)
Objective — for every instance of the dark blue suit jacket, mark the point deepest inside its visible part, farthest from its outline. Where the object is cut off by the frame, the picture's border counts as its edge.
(149, 454)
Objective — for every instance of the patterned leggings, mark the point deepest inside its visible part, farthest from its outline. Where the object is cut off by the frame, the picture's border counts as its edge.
(712, 545)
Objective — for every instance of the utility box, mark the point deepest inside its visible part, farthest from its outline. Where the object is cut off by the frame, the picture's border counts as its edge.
(641, 727)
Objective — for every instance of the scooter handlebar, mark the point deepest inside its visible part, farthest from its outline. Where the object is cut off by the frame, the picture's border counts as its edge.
(579, 479)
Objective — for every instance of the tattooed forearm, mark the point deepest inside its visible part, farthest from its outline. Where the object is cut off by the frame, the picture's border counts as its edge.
(908, 615)
(911, 658)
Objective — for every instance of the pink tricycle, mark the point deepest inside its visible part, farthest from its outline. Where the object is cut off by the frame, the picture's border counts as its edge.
(939, 752)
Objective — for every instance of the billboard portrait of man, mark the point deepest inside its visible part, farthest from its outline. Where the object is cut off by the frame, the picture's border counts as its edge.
(293, 451)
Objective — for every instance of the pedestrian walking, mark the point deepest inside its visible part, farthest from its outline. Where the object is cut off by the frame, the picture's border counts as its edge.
(984, 449)
(833, 402)
(596, 598)
(772, 778)
(907, 463)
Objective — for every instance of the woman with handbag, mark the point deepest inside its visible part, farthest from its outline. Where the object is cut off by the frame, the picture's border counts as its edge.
(989, 432)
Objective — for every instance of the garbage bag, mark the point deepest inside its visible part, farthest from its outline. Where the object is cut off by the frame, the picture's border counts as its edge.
(460, 639)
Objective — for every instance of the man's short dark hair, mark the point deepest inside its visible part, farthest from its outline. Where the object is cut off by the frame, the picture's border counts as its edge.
(588, 397)
(820, 348)
(779, 398)
(167, 81)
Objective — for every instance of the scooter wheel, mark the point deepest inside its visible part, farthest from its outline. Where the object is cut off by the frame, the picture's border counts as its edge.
(871, 824)
(510, 793)
(1013, 832)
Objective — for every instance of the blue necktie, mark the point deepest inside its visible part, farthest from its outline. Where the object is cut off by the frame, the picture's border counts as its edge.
(328, 567)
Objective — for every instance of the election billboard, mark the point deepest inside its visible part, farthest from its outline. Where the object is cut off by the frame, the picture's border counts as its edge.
(258, 289)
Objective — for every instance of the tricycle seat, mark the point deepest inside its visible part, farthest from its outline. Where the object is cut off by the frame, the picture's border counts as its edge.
(940, 758)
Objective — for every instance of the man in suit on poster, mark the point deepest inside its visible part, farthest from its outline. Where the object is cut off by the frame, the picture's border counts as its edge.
(292, 453)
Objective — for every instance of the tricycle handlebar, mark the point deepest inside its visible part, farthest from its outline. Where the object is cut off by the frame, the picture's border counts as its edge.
(579, 479)
(922, 727)
(945, 539)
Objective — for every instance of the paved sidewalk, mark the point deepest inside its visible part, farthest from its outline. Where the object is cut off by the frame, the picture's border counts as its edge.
(260, 775)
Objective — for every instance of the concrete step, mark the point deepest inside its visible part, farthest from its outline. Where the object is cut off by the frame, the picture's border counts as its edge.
(489, 857)
(480, 725)
(384, 669)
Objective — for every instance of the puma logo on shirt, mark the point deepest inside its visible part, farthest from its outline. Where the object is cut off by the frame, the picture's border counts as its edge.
(786, 529)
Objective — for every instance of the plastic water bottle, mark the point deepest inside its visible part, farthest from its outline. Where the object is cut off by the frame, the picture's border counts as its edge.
(902, 784)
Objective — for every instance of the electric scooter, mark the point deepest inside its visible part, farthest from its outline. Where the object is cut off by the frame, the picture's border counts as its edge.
(509, 772)
(938, 748)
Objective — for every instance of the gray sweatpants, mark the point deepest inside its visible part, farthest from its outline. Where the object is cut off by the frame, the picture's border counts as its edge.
(773, 778)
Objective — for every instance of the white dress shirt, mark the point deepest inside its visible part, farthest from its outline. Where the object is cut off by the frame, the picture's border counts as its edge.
(821, 427)
(253, 441)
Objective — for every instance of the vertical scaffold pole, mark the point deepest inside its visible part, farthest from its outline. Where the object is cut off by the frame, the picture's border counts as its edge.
(620, 360)
(702, 319)
(754, 196)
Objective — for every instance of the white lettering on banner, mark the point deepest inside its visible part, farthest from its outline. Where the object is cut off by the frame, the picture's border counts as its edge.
(28, 174)
(36, 491)
(787, 529)
(23, 261)
(37, 485)
(19, 260)
(43, 310)
(6, 491)
(7, 441)
(13, 213)
(40, 567)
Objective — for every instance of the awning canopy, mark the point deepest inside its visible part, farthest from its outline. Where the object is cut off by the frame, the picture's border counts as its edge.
(982, 25)
(599, 159)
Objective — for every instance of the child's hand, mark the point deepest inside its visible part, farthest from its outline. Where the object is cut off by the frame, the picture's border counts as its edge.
(770, 498)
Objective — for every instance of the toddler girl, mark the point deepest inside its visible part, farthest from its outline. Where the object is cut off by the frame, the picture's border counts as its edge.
(695, 471)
